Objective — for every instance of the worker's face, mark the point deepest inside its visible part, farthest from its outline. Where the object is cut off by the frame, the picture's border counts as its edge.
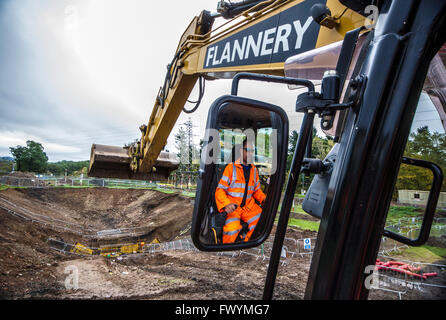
(248, 151)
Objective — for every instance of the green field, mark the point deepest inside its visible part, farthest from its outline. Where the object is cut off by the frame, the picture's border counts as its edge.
(425, 253)
(304, 224)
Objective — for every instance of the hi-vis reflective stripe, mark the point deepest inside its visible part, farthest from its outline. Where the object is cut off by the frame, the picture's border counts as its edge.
(255, 175)
(236, 185)
(231, 220)
(232, 183)
(226, 179)
(222, 186)
(256, 186)
(234, 174)
(231, 233)
(253, 219)
(236, 194)
(241, 186)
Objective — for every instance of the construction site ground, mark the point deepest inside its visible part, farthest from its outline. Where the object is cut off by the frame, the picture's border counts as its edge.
(32, 268)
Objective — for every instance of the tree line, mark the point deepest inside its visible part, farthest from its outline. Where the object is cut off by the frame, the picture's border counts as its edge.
(32, 158)
(422, 144)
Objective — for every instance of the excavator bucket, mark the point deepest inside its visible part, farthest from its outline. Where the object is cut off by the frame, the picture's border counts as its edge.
(114, 162)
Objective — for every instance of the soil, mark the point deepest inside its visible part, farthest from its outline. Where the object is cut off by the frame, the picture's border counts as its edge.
(31, 269)
(19, 174)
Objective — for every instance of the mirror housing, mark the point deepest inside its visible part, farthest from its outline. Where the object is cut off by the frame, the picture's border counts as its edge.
(431, 205)
(237, 113)
(314, 201)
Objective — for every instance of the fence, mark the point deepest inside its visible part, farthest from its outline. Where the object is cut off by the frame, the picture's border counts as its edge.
(49, 182)
(410, 227)
(386, 279)
(389, 279)
(409, 277)
(183, 180)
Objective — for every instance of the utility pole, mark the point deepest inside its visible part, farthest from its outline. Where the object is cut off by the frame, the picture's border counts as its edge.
(190, 148)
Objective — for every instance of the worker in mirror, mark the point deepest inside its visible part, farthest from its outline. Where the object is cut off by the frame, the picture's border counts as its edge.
(235, 195)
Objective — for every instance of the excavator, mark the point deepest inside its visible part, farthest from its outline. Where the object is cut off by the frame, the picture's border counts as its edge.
(371, 77)
(257, 36)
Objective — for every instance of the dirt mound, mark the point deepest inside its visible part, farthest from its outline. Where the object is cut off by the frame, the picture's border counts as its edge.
(30, 217)
(31, 269)
(19, 174)
(89, 211)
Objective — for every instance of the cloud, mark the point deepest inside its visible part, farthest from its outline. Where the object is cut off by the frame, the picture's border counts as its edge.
(81, 72)
(16, 138)
(45, 91)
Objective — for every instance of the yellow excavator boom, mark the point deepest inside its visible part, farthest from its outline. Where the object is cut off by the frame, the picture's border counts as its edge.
(259, 39)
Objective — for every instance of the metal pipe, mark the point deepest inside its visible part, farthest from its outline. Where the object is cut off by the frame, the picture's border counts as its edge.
(305, 132)
(268, 78)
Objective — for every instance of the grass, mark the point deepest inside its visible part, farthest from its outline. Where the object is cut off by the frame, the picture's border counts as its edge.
(4, 187)
(427, 254)
(304, 224)
(400, 212)
(68, 186)
(188, 194)
(298, 209)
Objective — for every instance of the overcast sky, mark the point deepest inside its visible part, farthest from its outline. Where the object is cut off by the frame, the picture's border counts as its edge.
(77, 72)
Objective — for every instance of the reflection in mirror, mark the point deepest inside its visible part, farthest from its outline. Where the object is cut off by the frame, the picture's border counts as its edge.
(410, 196)
(244, 156)
(427, 141)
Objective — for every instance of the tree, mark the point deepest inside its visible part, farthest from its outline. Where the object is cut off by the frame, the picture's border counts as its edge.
(423, 145)
(181, 144)
(5, 166)
(30, 158)
(75, 168)
(291, 147)
(321, 147)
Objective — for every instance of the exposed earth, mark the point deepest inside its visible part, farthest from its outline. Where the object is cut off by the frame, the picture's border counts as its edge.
(31, 219)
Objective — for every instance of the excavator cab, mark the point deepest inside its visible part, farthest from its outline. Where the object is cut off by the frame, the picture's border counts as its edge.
(368, 97)
(373, 90)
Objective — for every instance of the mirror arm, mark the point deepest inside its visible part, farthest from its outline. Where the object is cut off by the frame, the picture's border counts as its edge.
(310, 103)
(316, 166)
(293, 178)
(269, 78)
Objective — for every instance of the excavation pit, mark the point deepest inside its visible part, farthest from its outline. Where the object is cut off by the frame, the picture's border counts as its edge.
(103, 216)
(32, 220)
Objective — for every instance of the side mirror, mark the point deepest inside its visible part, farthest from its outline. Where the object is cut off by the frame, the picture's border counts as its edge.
(420, 204)
(230, 214)
(409, 220)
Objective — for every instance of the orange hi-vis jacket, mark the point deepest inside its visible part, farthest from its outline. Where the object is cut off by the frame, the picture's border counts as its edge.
(230, 190)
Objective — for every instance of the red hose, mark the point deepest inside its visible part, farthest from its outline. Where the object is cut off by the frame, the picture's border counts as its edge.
(403, 268)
